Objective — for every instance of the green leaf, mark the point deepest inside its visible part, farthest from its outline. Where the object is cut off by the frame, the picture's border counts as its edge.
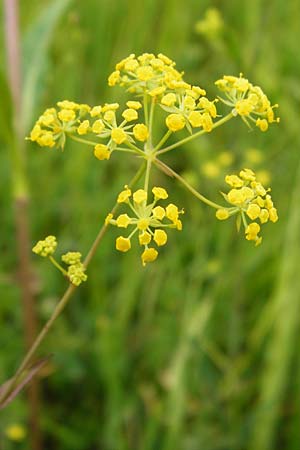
(36, 44)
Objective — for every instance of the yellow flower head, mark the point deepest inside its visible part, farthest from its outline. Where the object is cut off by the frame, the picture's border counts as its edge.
(76, 273)
(102, 152)
(83, 127)
(175, 122)
(145, 74)
(130, 114)
(71, 258)
(249, 199)
(123, 244)
(140, 132)
(140, 196)
(118, 135)
(124, 195)
(148, 222)
(149, 255)
(45, 247)
(247, 101)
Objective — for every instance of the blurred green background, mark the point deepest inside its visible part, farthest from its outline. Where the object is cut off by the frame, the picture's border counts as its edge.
(200, 349)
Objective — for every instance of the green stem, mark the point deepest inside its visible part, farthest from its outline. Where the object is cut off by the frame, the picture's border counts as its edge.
(125, 150)
(58, 266)
(146, 114)
(197, 194)
(151, 121)
(193, 136)
(133, 147)
(63, 301)
(147, 176)
(163, 140)
(82, 141)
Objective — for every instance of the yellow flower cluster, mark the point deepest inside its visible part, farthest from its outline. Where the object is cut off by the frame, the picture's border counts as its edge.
(76, 269)
(146, 73)
(54, 124)
(189, 108)
(247, 101)
(249, 199)
(104, 125)
(148, 221)
(45, 247)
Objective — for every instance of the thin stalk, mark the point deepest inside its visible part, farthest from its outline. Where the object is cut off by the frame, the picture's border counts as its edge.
(147, 176)
(194, 136)
(82, 140)
(63, 301)
(197, 194)
(151, 121)
(146, 113)
(163, 140)
(58, 266)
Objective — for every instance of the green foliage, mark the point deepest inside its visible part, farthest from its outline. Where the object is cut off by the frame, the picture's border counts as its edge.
(198, 350)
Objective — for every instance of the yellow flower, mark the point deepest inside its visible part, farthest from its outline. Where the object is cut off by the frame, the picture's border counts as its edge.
(83, 127)
(243, 107)
(98, 126)
(46, 247)
(143, 223)
(71, 258)
(195, 119)
(175, 122)
(253, 211)
(235, 197)
(134, 105)
(222, 214)
(160, 237)
(35, 132)
(168, 99)
(46, 139)
(144, 238)
(124, 195)
(66, 115)
(66, 104)
(252, 231)
(250, 199)
(76, 274)
(273, 214)
(160, 193)
(149, 255)
(109, 116)
(130, 114)
(172, 212)
(108, 218)
(157, 91)
(262, 124)
(144, 73)
(123, 244)
(158, 212)
(123, 221)
(234, 181)
(140, 132)
(114, 78)
(207, 122)
(96, 111)
(140, 196)
(15, 432)
(102, 152)
(118, 135)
